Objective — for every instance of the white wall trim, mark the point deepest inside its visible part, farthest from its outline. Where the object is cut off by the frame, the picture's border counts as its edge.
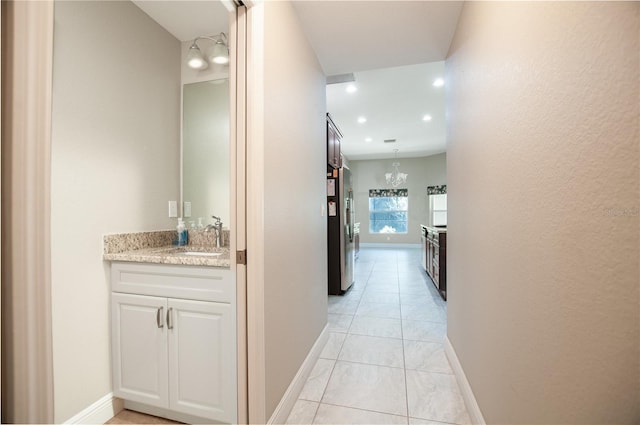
(283, 409)
(99, 412)
(27, 352)
(256, 355)
(465, 388)
(389, 245)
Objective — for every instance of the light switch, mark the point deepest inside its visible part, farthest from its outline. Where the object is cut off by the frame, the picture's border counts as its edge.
(186, 208)
(173, 208)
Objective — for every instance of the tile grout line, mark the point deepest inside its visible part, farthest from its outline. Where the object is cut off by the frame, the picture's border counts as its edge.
(404, 360)
(369, 410)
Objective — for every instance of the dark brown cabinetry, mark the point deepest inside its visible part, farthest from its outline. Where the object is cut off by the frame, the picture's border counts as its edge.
(334, 136)
(434, 241)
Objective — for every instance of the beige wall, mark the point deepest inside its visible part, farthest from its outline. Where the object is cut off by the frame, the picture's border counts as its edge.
(294, 231)
(423, 172)
(115, 164)
(542, 170)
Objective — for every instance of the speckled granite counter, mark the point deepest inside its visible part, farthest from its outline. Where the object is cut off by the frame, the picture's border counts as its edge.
(156, 247)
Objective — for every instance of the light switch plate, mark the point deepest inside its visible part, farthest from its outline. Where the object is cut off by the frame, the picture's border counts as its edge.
(186, 208)
(173, 209)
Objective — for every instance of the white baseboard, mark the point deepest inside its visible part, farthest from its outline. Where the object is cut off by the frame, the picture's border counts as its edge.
(390, 245)
(99, 412)
(463, 383)
(290, 396)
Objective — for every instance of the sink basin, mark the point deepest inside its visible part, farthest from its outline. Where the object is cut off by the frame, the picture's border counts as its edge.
(201, 254)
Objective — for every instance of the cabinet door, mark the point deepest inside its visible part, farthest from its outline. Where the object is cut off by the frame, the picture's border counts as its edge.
(202, 360)
(139, 349)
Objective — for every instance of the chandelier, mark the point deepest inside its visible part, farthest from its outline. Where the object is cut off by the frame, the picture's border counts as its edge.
(396, 178)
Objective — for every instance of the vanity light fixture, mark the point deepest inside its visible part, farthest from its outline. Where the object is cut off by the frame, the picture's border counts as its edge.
(219, 54)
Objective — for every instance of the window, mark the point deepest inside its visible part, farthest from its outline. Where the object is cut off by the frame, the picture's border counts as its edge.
(388, 210)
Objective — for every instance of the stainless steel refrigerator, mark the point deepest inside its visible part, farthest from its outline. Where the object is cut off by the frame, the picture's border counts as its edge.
(340, 238)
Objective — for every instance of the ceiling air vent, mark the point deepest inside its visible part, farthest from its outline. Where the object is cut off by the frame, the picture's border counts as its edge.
(341, 78)
(390, 140)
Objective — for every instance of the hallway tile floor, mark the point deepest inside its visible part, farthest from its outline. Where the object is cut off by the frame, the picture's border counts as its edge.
(384, 362)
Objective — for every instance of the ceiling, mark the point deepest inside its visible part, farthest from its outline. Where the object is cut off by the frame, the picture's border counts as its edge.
(395, 49)
(350, 36)
(186, 20)
(394, 102)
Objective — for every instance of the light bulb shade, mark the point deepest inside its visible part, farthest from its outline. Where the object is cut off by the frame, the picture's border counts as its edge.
(195, 59)
(219, 54)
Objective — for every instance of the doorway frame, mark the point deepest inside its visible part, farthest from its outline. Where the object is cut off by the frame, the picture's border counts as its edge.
(27, 27)
(27, 356)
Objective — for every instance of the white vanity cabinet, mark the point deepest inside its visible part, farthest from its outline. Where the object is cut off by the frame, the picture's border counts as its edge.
(174, 339)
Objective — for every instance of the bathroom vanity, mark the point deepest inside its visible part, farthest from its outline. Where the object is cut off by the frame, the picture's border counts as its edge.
(173, 332)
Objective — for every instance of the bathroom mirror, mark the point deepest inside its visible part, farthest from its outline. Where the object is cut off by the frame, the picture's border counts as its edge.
(205, 150)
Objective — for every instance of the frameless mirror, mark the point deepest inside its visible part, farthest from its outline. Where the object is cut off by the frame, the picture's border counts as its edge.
(205, 150)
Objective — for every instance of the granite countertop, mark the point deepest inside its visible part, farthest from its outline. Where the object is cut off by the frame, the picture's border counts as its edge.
(174, 255)
(156, 247)
(439, 229)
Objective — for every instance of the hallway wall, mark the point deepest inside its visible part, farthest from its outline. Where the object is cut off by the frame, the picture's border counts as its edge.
(286, 187)
(543, 178)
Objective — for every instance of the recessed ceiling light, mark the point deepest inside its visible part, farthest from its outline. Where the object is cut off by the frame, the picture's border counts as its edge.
(351, 88)
(438, 82)
(368, 140)
(426, 118)
(362, 120)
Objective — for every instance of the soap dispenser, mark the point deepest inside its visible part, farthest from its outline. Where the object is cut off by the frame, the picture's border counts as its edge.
(182, 233)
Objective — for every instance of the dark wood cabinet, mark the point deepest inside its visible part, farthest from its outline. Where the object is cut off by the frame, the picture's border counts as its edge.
(334, 136)
(435, 248)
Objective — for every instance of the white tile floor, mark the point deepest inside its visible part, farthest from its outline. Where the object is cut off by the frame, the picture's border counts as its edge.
(384, 362)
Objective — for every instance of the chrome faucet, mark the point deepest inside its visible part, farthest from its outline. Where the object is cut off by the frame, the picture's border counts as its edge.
(218, 228)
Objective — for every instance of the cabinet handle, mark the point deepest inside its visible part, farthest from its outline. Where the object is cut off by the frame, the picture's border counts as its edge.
(169, 323)
(159, 317)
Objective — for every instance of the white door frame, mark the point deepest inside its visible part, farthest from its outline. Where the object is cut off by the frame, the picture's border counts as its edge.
(256, 360)
(27, 358)
(26, 161)
(238, 185)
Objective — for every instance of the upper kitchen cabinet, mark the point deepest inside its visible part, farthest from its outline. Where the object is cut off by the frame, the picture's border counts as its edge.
(334, 137)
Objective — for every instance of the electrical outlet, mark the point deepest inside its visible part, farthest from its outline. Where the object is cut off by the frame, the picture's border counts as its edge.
(173, 209)
(186, 209)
